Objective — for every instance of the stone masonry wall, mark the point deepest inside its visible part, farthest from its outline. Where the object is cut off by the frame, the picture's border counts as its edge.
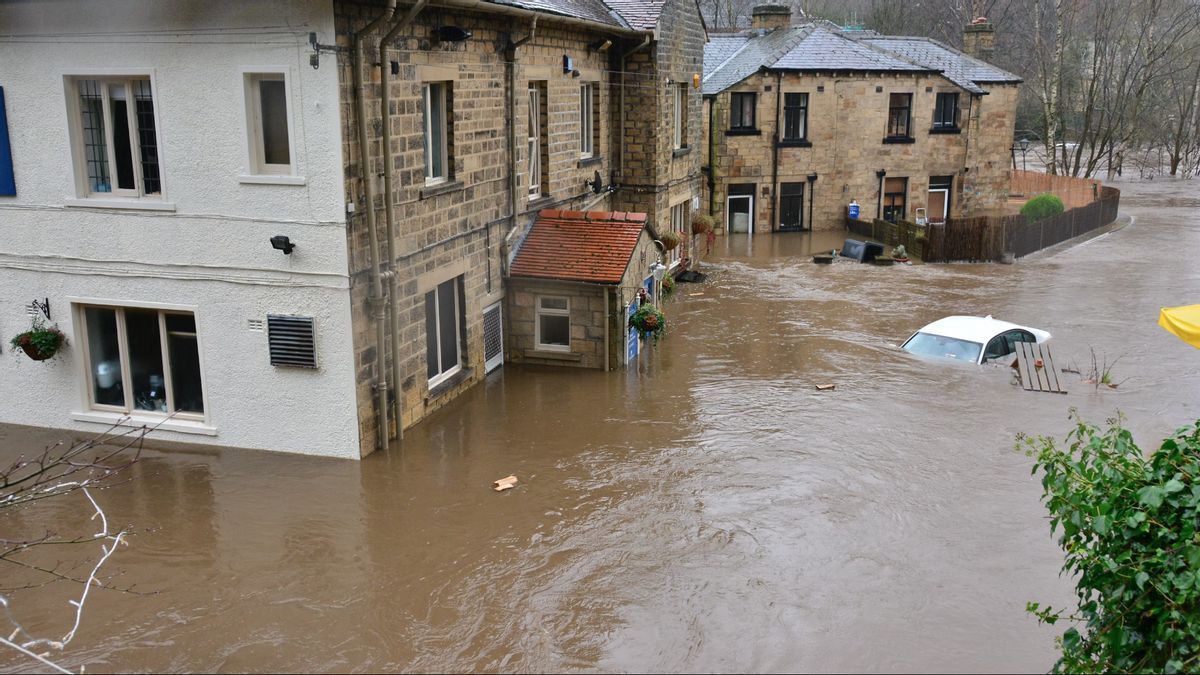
(455, 229)
(847, 122)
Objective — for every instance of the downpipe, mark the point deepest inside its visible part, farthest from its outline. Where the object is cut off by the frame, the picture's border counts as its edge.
(385, 154)
(376, 302)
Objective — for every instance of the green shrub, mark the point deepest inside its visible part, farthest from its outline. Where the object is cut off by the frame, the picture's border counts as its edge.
(1042, 206)
(1130, 529)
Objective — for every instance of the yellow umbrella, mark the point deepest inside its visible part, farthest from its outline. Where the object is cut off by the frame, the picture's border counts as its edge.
(1183, 322)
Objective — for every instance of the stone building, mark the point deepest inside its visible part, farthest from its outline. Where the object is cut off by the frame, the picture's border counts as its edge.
(801, 120)
(498, 112)
(288, 224)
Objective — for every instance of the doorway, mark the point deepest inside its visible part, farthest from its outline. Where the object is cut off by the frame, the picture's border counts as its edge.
(791, 207)
(740, 212)
(939, 198)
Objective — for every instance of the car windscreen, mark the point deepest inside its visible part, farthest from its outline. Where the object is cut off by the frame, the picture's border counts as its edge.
(928, 344)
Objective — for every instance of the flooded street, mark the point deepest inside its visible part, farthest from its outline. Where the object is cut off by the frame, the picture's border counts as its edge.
(708, 510)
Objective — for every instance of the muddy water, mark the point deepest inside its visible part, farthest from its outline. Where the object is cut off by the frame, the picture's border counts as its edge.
(707, 510)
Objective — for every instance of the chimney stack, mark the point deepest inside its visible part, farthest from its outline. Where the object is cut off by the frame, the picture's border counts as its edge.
(979, 39)
(770, 17)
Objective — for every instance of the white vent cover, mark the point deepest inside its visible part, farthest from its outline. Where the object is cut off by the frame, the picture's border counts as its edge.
(255, 325)
(293, 340)
(32, 309)
(493, 338)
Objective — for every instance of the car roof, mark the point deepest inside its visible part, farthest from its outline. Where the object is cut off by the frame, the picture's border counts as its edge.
(976, 328)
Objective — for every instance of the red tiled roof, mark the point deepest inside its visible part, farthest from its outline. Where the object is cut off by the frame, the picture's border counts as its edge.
(592, 246)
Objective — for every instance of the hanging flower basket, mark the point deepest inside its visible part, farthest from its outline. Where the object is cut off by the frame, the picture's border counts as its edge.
(668, 285)
(702, 223)
(670, 240)
(649, 321)
(39, 342)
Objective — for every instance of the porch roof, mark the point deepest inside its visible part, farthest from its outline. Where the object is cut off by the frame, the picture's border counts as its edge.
(592, 246)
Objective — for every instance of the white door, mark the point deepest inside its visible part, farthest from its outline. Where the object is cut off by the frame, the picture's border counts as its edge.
(741, 214)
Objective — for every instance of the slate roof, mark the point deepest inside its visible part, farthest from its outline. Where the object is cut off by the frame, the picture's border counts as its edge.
(592, 10)
(958, 67)
(822, 47)
(592, 246)
(639, 14)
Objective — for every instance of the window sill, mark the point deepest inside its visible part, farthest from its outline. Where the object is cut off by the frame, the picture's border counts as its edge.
(440, 188)
(538, 203)
(254, 179)
(127, 204)
(799, 143)
(589, 161)
(135, 420)
(898, 140)
(442, 388)
(552, 355)
(946, 130)
(743, 132)
(680, 152)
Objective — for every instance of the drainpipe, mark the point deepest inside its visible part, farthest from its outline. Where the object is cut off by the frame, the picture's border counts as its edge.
(812, 196)
(388, 199)
(712, 153)
(376, 303)
(608, 321)
(621, 132)
(775, 152)
(514, 191)
(879, 210)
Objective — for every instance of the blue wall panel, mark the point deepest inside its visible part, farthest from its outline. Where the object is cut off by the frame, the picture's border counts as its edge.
(8, 185)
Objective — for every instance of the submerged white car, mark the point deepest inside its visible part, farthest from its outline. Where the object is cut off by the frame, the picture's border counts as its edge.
(975, 339)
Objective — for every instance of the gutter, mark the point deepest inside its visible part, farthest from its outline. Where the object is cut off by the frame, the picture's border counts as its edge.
(376, 303)
(389, 208)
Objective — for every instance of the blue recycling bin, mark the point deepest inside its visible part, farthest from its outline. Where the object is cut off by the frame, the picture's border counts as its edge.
(853, 211)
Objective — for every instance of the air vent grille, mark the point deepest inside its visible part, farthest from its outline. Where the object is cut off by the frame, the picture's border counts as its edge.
(293, 341)
(493, 338)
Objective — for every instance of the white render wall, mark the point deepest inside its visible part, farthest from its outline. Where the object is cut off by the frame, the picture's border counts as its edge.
(212, 251)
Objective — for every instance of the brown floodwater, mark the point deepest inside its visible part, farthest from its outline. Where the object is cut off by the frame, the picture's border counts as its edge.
(707, 510)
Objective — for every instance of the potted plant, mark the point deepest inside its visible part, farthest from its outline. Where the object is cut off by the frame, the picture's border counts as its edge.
(648, 321)
(668, 285)
(40, 342)
(670, 240)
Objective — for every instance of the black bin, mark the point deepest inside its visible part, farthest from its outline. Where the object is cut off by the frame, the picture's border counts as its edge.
(862, 251)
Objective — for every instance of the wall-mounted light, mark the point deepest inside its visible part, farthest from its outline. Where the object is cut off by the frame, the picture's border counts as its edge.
(600, 45)
(568, 64)
(452, 34)
(658, 270)
(282, 243)
(695, 80)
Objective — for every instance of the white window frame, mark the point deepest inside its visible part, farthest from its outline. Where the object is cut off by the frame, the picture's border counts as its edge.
(85, 195)
(534, 147)
(680, 113)
(257, 167)
(551, 311)
(680, 225)
(442, 376)
(430, 91)
(587, 102)
(79, 311)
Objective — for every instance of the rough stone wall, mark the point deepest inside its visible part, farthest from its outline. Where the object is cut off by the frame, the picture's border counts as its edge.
(455, 229)
(656, 176)
(587, 323)
(847, 123)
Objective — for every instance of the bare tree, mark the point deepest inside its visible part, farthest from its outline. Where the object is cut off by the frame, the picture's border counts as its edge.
(58, 474)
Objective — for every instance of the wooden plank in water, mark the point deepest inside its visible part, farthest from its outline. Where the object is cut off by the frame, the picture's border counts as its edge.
(1033, 378)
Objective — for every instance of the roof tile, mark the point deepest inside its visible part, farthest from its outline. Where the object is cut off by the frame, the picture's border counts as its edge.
(573, 246)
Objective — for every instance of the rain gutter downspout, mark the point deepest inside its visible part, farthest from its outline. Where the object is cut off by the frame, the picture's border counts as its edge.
(775, 152)
(376, 303)
(511, 118)
(389, 208)
(608, 321)
(621, 132)
(712, 151)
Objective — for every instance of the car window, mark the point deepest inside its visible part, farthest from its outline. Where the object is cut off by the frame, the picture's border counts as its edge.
(999, 346)
(928, 344)
(1015, 336)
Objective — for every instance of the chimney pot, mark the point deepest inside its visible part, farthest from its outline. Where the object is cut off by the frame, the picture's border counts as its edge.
(979, 39)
